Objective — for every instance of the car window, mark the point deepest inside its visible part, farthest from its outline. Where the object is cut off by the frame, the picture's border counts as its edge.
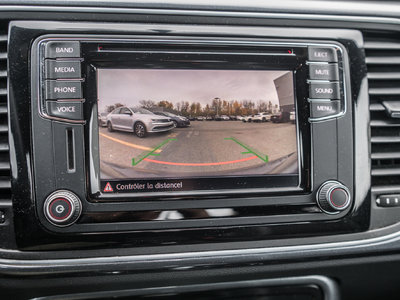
(139, 110)
(116, 111)
(125, 111)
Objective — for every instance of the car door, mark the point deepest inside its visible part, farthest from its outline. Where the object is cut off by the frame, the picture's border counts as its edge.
(125, 119)
(114, 119)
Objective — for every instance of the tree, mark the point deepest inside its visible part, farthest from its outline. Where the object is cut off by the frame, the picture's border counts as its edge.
(147, 103)
(193, 109)
(269, 106)
(198, 108)
(207, 110)
(110, 108)
(166, 104)
(236, 108)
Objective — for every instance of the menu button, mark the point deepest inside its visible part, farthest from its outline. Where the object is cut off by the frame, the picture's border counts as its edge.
(324, 109)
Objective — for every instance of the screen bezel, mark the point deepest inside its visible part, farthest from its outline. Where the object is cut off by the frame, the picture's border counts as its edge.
(253, 56)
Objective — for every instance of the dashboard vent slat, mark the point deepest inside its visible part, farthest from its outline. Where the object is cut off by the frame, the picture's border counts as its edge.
(384, 75)
(382, 50)
(380, 45)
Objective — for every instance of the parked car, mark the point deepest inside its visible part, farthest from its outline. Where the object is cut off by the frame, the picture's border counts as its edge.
(248, 118)
(192, 118)
(200, 118)
(292, 117)
(179, 121)
(225, 118)
(281, 117)
(209, 118)
(137, 120)
(262, 117)
(239, 118)
(103, 119)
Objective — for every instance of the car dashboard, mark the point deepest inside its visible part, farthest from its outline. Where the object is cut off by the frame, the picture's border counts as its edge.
(212, 150)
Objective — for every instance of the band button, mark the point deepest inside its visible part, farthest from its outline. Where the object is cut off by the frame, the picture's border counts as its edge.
(72, 110)
(56, 49)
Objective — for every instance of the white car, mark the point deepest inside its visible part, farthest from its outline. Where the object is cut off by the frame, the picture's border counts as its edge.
(262, 117)
(292, 117)
(103, 119)
(248, 118)
(137, 120)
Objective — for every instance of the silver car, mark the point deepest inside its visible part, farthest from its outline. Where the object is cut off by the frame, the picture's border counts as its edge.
(137, 120)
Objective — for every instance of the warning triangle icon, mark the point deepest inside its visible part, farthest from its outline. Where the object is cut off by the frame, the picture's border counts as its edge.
(108, 188)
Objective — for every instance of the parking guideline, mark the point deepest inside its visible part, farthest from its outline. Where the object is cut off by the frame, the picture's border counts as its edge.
(249, 150)
(152, 152)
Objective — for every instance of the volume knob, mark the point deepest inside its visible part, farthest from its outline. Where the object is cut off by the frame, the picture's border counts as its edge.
(62, 208)
(333, 197)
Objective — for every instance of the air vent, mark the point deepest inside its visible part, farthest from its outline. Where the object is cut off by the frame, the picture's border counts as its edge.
(383, 63)
(5, 183)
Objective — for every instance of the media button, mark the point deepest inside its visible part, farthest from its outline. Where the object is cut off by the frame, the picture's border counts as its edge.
(324, 90)
(56, 49)
(321, 109)
(325, 54)
(63, 89)
(59, 69)
(72, 110)
(324, 71)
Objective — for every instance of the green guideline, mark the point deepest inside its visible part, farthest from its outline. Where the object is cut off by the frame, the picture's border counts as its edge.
(264, 158)
(152, 152)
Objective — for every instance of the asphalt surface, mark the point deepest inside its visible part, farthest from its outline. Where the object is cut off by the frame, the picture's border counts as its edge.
(206, 148)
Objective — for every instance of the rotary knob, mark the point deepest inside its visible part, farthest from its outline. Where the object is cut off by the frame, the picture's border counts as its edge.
(333, 197)
(62, 208)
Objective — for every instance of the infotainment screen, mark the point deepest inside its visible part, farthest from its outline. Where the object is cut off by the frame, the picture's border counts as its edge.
(180, 129)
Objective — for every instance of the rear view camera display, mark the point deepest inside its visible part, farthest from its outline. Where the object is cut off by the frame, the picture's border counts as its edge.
(166, 126)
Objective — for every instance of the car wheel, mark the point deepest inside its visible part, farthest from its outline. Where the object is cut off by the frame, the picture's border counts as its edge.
(249, 120)
(175, 123)
(109, 127)
(264, 120)
(140, 129)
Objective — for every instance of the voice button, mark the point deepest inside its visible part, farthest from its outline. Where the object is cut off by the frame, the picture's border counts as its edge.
(71, 110)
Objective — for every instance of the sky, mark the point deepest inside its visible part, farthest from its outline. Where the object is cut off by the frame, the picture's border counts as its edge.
(129, 86)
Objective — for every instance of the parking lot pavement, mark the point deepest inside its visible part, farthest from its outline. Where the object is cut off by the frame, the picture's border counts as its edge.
(206, 148)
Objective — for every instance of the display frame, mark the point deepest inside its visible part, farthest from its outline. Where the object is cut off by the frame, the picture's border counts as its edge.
(257, 210)
(177, 53)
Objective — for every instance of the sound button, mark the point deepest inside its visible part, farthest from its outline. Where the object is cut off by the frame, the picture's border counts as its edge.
(71, 110)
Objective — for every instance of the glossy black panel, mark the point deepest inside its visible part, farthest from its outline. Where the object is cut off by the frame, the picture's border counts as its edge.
(35, 237)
